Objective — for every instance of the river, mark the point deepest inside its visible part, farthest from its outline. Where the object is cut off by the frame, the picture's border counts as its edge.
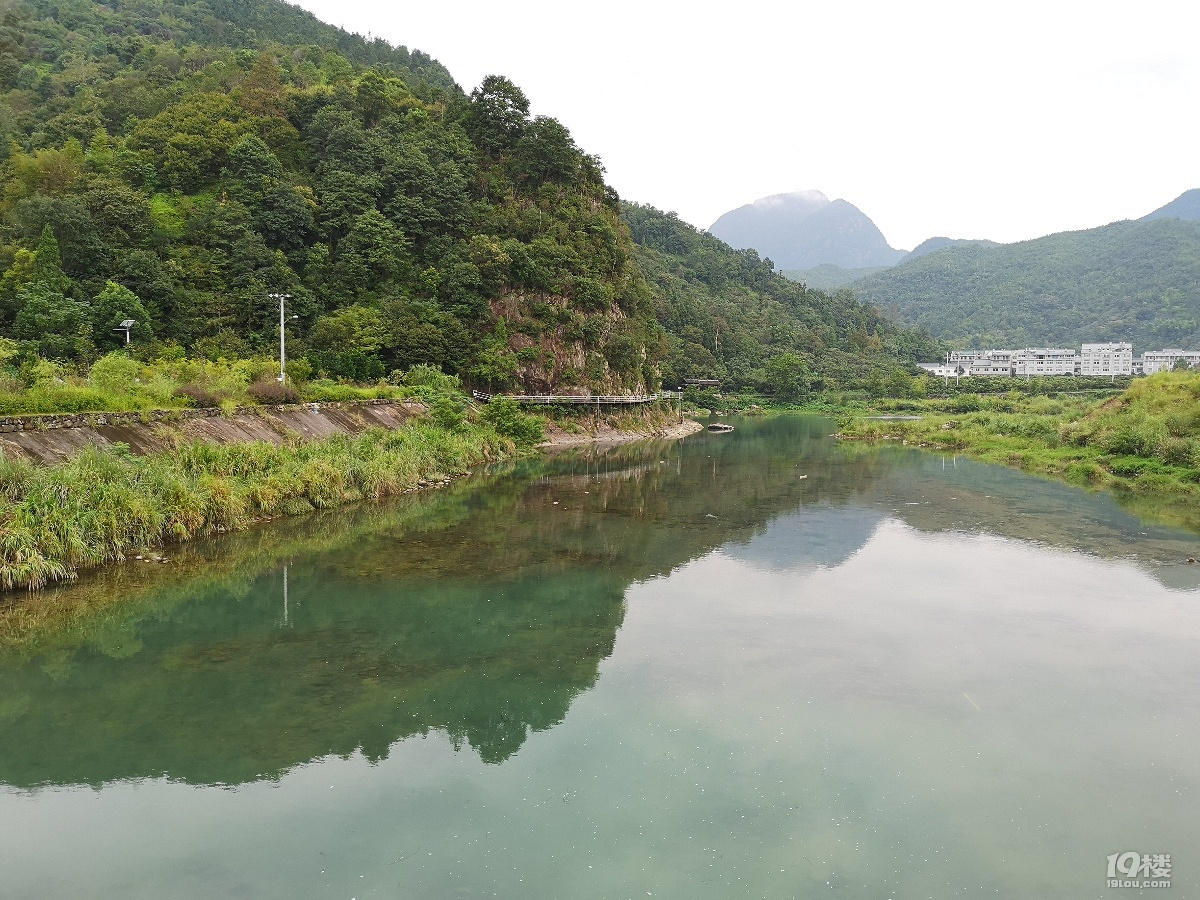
(762, 664)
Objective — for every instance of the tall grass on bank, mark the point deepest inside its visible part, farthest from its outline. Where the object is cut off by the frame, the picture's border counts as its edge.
(102, 505)
(1145, 439)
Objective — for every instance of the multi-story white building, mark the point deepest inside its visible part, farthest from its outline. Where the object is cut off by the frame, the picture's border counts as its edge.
(963, 358)
(1106, 359)
(1043, 361)
(1160, 360)
(992, 362)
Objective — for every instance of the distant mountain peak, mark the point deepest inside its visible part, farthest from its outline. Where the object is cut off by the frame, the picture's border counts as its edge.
(813, 199)
(1186, 206)
(805, 229)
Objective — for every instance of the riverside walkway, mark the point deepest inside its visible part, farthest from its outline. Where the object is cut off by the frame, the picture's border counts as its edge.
(581, 399)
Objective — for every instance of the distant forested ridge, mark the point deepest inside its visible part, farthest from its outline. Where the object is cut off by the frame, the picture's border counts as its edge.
(178, 163)
(728, 315)
(1130, 281)
(828, 277)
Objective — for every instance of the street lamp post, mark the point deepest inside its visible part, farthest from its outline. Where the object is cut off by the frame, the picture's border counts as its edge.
(126, 326)
(282, 298)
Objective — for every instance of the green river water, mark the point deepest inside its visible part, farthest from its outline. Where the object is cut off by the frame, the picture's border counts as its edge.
(763, 664)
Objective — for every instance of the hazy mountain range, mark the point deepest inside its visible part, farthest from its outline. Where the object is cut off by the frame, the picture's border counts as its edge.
(1136, 281)
(824, 243)
(1131, 280)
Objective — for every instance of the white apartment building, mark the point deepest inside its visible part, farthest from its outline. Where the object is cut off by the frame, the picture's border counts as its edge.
(1044, 361)
(1106, 359)
(992, 362)
(1160, 360)
(963, 358)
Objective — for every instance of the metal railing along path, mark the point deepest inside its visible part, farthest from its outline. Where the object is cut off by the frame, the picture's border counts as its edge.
(580, 400)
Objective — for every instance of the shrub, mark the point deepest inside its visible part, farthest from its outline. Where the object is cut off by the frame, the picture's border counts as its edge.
(1130, 441)
(966, 403)
(354, 365)
(1179, 452)
(200, 397)
(447, 412)
(505, 416)
(115, 373)
(36, 371)
(299, 370)
(422, 375)
(269, 390)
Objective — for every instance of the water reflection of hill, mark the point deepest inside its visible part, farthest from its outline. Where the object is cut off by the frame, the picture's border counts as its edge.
(810, 537)
(480, 611)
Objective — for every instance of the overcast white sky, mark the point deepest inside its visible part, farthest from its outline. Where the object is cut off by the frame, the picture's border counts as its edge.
(1002, 121)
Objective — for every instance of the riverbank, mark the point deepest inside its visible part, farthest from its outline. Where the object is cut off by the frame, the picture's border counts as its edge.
(1144, 442)
(105, 505)
(607, 434)
(571, 427)
(51, 439)
(75, 495)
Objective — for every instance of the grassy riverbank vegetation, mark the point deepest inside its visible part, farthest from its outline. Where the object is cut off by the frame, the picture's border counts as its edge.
(797, 390)
(97, 610)
(1145, 439)
(105, 505)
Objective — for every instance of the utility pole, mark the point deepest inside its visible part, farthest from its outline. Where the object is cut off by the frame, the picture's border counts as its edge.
(282, 298)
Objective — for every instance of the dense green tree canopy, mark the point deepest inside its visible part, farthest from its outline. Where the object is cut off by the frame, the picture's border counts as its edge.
(177, 163)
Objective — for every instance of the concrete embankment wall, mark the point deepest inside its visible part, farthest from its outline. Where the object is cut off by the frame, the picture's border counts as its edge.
(49, 439)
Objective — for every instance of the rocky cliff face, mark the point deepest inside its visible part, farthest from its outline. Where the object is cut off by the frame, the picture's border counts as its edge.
(557, 349)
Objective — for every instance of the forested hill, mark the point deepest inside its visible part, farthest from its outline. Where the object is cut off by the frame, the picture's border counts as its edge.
(729, 315)
(159, 172)
(178, 163)
(1129, 281)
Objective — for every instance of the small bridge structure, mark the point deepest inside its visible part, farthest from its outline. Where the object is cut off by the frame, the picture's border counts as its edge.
(581, 399)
